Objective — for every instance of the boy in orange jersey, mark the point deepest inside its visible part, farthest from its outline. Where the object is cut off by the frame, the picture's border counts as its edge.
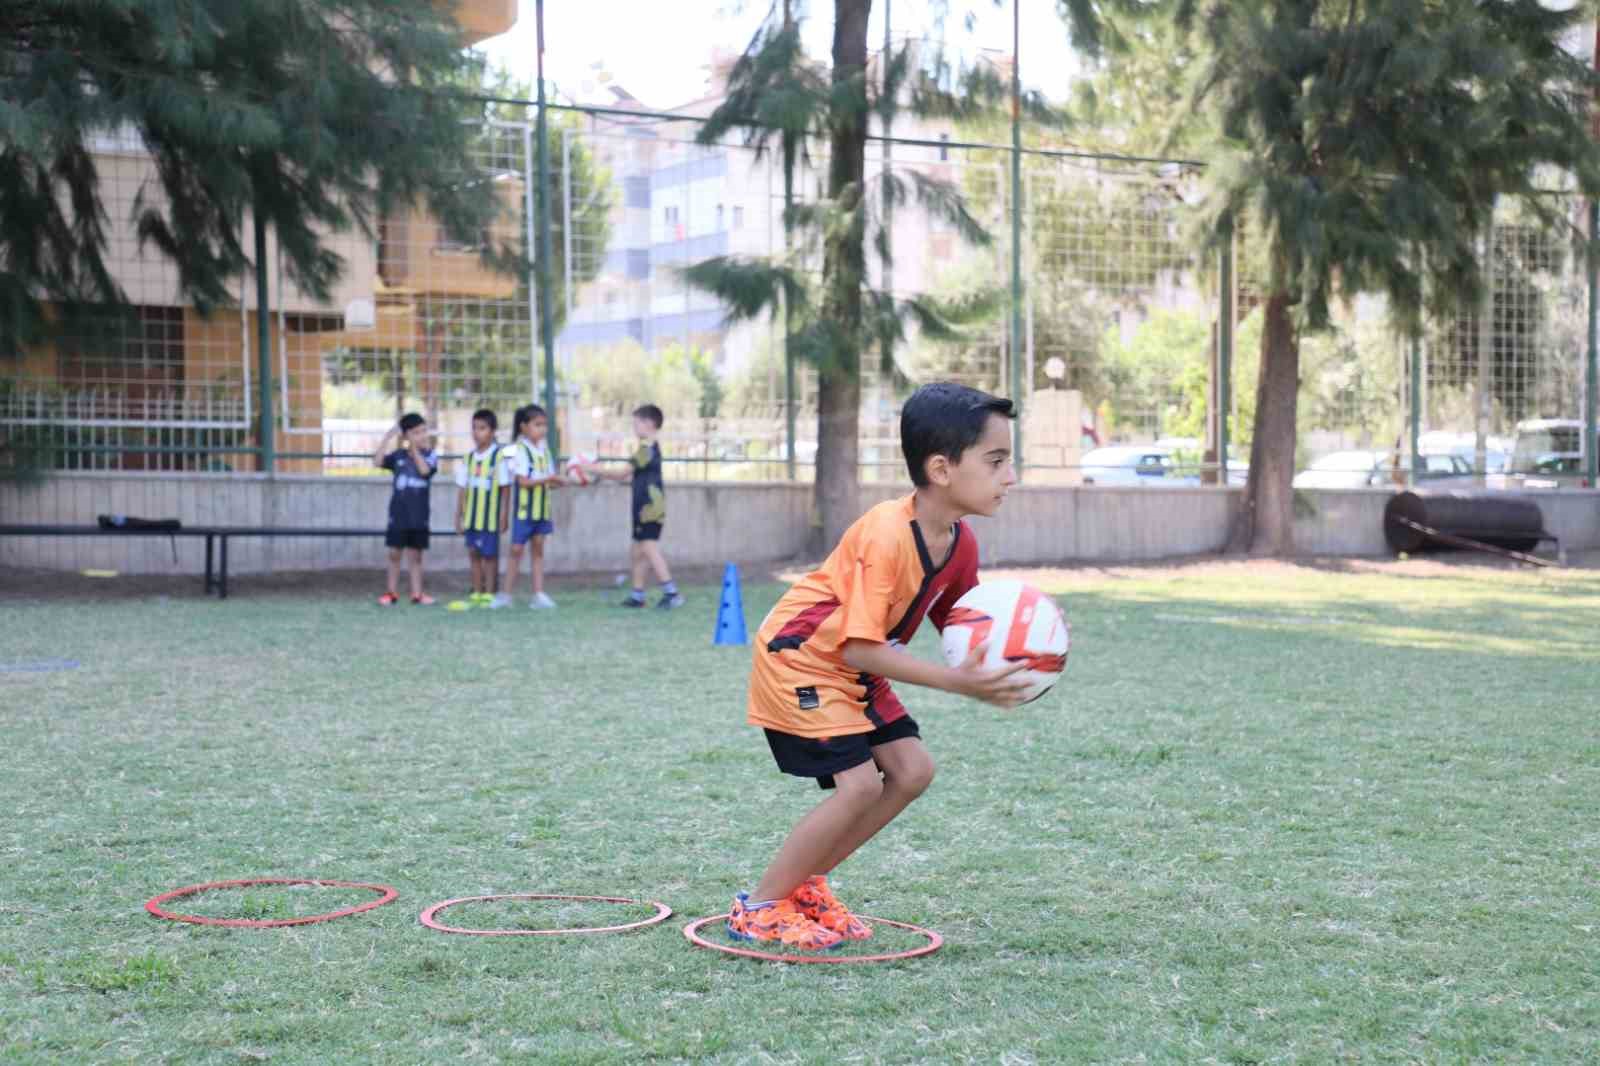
(825, 656)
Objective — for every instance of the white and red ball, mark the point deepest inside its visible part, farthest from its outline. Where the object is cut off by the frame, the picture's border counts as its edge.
(577, 468)
(1019, 623)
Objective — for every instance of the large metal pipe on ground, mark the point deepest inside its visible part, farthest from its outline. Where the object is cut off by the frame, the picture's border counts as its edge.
(1500, 519)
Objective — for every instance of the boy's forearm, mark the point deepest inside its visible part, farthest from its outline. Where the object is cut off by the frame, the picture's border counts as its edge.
(887, 661)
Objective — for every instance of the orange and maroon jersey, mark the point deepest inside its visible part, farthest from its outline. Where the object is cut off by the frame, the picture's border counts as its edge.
(878, 585)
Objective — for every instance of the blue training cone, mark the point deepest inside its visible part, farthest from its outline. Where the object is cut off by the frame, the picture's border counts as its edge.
(730, 615)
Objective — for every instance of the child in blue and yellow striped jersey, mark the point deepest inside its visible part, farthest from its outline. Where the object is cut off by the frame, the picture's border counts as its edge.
(533, 475)
(481, 508)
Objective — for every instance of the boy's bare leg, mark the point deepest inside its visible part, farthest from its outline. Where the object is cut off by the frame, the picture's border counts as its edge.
(536, 565)
(639, 564)
(513, 564)
(907, 771)
(658, 563)
(394, 569)
(414, 565)
(818, 836)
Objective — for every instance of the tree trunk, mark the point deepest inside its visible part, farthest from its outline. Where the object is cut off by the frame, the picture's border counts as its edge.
(844, 268)
(1265, 523)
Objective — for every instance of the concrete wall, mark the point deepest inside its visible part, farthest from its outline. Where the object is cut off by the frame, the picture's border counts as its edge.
(709, 524)
(1102, 524)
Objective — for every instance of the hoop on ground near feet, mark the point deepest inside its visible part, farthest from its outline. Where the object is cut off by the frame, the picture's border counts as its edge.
(935, 942)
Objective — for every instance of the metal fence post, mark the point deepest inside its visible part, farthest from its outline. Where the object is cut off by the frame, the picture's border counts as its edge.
(546, 325)
(566, 257)
(1016, 234)
(1591, 375)
(1415, 472)
(263, 344)
(1225, 315)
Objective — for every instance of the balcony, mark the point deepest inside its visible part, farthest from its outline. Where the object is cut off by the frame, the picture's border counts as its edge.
(482, 19)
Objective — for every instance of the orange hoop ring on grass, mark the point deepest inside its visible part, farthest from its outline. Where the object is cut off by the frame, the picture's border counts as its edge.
(935, 942)
(427, 917)
(386, 894)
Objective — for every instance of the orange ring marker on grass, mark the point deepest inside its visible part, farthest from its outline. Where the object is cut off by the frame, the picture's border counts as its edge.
(427, 917)
(386, 894)
(935, 942)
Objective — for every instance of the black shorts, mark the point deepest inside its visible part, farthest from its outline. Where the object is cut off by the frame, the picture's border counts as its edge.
(646, 530)
(407, 538)
(821, 759)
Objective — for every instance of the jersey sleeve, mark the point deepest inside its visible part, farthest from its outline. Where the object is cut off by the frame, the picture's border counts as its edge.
(433, 464)
(640, 459)
(502, 471)
(461, 473)
(519, 463)
(867, 589)
(963, 578)
(390, 460)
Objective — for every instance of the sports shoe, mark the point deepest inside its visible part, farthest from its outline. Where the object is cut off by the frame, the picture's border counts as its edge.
(499, 600)
(388, 599)
(672, 602)
(779, 922)
(479, 599)
(631, 603)
(817, 902)
(423, 600)
(541, 602)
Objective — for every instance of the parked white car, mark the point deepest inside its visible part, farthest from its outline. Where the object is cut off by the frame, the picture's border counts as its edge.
(1147, 465)
(1365, 469)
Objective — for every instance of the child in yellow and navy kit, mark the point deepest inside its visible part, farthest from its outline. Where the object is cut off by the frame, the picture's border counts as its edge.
(481, 508)
(533, 475)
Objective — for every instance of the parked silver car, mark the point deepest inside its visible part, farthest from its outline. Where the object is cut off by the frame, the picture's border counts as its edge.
(1146, 465)
(1365, 469)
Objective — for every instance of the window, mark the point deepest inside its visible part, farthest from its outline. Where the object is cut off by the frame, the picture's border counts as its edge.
(738, 216)
(719, 218)
(636, 191)
(672, 215)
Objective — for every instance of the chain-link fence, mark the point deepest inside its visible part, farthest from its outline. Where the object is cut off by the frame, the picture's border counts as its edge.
(1118, 356)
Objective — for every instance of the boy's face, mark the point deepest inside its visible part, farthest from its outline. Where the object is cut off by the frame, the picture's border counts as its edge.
(644, 428)
(536, 428)
(482, 435)
(418, 436)
(978, 483)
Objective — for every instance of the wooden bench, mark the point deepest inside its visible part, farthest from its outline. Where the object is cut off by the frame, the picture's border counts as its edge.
(217, 538)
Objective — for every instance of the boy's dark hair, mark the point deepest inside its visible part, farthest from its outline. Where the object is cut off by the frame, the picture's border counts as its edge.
(410, 421)
(483, 414)
(524, 415)
(945, 419)
(650, 413)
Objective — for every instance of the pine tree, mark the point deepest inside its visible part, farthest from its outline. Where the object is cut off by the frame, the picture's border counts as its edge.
(273, 112)
(1365, 143)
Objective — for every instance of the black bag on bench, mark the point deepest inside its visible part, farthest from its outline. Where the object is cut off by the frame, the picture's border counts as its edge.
(121, 521)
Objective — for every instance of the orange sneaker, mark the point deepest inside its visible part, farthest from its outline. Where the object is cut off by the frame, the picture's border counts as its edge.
(817, 902)
(779, 921)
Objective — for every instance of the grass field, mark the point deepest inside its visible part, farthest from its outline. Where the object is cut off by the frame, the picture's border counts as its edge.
(1273, 814)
